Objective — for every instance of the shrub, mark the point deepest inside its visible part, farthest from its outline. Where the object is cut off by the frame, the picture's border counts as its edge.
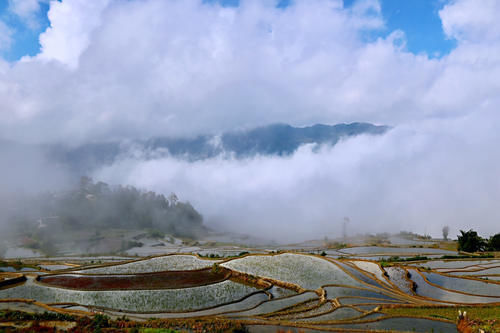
(494, 243)
(470, 241)
(100, 321)
(153, 233)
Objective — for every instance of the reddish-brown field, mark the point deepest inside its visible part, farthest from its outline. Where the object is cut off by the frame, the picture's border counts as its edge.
(159, 280)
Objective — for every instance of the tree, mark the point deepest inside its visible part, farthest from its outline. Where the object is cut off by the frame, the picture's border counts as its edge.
(173, 199)
(446, 231)
(494, 243)
(3, 249)
(344, 227)
(470, 241)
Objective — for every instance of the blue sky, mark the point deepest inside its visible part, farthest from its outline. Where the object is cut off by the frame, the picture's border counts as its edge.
(419, 20)
(24, 38)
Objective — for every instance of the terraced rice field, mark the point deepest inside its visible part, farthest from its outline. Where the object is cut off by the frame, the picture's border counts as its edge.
(371, 268)
(306, 271)
(377, 250)
(337, 292)
(262, 289)
(397, 276)
(158, 264)
(455, 264)
(277, 305)
(438, 293)
(464, 285)
(164, 300)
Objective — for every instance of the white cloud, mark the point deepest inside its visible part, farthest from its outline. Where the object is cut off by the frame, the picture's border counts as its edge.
(471, 21)
(71, 23)
(143, 68)
(416, 178)
(122, 69)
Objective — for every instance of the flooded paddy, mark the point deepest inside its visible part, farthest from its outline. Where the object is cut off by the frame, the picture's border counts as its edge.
(377, 250)
(302, 289)
(307, 271)
(158, 264)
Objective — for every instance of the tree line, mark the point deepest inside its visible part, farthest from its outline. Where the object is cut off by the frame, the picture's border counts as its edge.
(98, 206)
(470, 241)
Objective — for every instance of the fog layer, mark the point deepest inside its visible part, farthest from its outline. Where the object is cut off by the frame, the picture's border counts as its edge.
(416, 178)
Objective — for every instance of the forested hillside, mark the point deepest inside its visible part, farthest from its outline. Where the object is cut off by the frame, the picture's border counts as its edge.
(94, 207)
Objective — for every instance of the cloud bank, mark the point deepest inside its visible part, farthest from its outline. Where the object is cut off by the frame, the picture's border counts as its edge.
(117, 70)
(409, 179)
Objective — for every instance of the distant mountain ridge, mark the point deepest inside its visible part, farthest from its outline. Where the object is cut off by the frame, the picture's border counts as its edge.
(275, 139)
(282, 139)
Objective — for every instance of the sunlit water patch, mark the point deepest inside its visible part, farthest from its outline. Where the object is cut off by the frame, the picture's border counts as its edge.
(278, 304)
(360, 276)
(307, 271)
(335, 292)
(248, 303)
(343, 313)
(427, 290)
(449, 264)
(464, 285)
(485, 271)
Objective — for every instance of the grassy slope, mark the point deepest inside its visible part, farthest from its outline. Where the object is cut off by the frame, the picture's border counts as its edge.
(486, 318)
(451, 313)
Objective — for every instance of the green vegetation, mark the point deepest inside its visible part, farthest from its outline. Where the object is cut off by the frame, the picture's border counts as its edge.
(494, 243)
(152, 233)
(3, 249)
(24, 316)
(450, 313)
(218, 256)
(384, 262)
(411, 235)
(481, 256)
(17, 265)
(102, 323)
(470, 241)
(336, 245)
(45, 220)
(474, 313)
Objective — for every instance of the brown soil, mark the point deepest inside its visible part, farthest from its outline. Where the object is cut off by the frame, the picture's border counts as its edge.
(160, 280)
